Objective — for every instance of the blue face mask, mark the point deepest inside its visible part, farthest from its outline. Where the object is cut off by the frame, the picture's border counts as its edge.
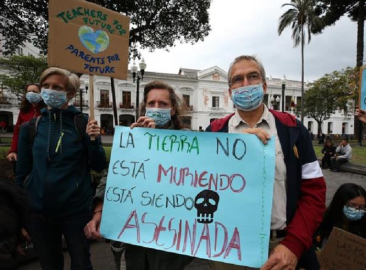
(33, 98)
(353, 213)
(52, 98)
(248, 98)
(161, 116)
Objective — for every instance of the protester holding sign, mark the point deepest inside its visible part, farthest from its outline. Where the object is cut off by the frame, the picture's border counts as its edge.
(299, 189)
(160, 108)
(54, 168)
(346, 211)
(30, 107)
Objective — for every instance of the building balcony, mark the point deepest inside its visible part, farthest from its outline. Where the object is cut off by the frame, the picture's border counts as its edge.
(104, 104)
(126, 106)
(85, 103)
(216, 109)
(188, 108)
(4, 101)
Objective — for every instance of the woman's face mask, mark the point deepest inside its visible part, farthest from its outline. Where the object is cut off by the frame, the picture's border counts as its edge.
(248, 98)
(353, 213)
(52, 98)
(161, 116)
(33, 98)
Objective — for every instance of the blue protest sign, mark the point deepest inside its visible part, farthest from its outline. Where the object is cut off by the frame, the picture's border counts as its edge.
(363, 88)
(206, 195)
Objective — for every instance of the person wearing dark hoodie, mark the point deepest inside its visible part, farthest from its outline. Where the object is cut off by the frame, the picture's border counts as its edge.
(328, 151)
(13, 209)
(299, 187)
(54, 169)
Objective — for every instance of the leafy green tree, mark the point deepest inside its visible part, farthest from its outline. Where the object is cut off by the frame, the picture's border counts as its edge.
(21, 70)
(301, 18)
(332, 92)
(154, 24)
(331, 11)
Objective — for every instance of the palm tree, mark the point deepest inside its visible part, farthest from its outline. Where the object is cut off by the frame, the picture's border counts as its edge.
(300, 15)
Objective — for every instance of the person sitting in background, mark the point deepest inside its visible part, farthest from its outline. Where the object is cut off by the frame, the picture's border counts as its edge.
(328, 151)
(343, 155)
(30, 107)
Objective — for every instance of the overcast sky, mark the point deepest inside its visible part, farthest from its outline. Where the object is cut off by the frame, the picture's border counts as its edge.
(250, 27)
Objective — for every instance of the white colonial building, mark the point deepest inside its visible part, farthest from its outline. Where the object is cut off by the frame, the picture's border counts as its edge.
(205, 93)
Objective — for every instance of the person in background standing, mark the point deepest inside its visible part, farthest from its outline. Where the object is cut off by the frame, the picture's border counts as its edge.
(3, 126)
(30, 107)
(311, 134)
(321, 137)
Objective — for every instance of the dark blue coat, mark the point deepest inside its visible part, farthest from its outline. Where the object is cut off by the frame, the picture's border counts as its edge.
(57, 178)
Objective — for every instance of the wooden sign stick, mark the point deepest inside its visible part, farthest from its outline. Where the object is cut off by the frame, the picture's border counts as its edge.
(91, 101)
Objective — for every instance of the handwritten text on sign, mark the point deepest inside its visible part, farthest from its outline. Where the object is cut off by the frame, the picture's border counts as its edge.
(206, 195)
(343, 250)
(88, 38)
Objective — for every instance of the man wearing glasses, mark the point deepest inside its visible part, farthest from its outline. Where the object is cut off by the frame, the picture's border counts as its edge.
(299, 186)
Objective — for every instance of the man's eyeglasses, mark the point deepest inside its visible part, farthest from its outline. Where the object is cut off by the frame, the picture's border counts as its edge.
(252, 78)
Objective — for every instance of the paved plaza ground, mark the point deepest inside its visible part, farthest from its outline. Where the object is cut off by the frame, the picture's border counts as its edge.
(102, 257)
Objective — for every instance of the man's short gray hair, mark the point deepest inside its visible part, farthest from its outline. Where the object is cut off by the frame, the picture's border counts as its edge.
(247, 57)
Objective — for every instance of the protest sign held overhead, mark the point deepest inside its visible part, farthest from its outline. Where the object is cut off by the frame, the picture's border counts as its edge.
(206, 195)
(87, 38)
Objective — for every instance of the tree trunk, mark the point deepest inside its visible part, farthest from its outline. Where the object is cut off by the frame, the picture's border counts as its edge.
(302, 74)
(360, 30)
(358, 127)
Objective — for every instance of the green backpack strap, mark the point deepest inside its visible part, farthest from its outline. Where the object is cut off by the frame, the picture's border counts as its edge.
(80, 122)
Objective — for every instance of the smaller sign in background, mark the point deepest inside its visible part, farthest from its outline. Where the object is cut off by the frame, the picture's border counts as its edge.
(343, 250)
